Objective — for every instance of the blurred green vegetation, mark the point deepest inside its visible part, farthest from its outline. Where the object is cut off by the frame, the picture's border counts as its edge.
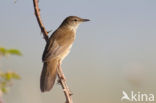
(5, 52)
(6, 78)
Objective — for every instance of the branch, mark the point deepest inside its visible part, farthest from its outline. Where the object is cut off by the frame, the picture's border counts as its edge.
(61, 78)
(37, 14)
(64, 85)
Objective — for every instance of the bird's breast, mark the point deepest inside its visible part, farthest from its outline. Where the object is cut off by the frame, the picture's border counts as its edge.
(65, 53)
(65, 39)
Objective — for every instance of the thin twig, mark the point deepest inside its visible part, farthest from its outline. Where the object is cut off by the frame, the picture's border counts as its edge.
(37, 14)
(62, 81)
(64, 85)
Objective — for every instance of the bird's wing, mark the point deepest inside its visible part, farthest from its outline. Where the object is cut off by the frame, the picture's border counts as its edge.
(52, 50)
(57, 44)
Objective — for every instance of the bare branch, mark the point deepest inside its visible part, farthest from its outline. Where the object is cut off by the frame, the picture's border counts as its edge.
(64, 85)
(37, 14)
(61, 78)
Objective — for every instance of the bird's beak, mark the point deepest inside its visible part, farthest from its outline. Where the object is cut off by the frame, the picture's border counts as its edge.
(84, 20)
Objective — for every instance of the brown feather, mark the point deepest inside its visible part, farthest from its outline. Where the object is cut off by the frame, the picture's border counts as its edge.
(48, 75)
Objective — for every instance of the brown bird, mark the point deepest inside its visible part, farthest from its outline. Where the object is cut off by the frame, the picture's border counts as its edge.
(57, 48)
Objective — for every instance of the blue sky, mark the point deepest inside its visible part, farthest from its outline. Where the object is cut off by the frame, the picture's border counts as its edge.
(113, 52)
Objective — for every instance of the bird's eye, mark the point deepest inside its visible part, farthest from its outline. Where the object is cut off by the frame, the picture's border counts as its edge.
(75, 19)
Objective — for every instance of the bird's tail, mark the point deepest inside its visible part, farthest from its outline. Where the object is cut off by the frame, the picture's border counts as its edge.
(48, 75)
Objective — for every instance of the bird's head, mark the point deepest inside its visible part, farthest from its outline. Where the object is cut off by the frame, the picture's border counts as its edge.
(73, 21)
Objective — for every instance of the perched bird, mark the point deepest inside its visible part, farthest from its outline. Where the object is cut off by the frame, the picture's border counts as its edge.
(56, 49)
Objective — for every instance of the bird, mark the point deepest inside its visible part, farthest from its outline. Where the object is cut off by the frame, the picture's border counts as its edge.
(57, 48)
